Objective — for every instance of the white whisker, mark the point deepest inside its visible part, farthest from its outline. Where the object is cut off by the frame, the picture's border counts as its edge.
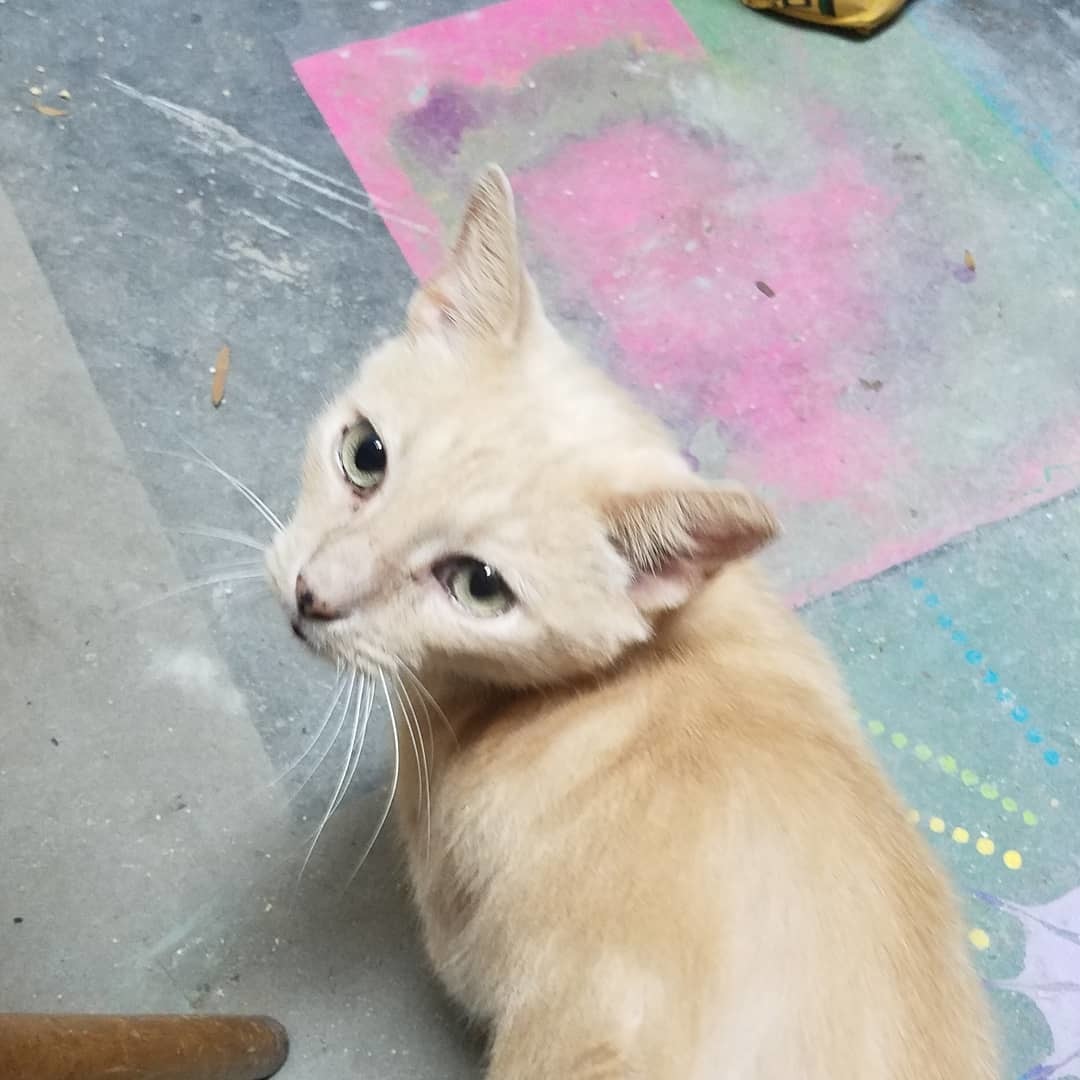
(330, 746)
(420, 772)
(246, 591)
(393, 785)
(240, 486)
(238, 564)
(428, 697)
(228, 535)
(203, 583)
(339, 791)
(423, 779)
(205, 462)
(339, 689)
(369, 700)
(427, 724)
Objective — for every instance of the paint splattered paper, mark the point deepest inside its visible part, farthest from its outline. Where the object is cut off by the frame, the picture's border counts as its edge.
(780, 275)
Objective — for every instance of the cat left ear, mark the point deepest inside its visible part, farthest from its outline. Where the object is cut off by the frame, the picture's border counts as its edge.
(676, 540)
(482, 290)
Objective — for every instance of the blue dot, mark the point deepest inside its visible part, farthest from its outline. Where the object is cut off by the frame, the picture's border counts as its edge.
(959, 637)
(1034, 737)
(1004, 694)
(917, 583)
(933, 600)
(991, 677)
(1051, 757)
(973, 656)
(944, 621)
(1020, 714)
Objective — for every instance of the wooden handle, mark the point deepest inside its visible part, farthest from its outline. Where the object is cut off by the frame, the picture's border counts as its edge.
(56, 1047)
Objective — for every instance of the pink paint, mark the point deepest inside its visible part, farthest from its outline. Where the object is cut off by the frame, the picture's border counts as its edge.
(656, 229)
(665, 233)
(362, 88)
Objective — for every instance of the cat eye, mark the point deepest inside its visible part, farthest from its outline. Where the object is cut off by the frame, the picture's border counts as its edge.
(362, 456)
(476, 586)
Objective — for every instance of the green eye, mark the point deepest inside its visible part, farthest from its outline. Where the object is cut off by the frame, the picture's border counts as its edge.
(476, 586)
(362, 456)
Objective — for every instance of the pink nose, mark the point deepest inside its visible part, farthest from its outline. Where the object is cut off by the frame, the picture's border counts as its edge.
(309, 605)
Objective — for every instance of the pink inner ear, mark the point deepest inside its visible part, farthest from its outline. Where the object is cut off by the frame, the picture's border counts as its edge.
(666, 588)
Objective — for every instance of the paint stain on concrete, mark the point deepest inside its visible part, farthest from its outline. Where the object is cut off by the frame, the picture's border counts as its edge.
(201, 678)
(435, 129)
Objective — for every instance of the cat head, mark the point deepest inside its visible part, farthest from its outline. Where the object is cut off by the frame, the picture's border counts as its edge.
(481, 502)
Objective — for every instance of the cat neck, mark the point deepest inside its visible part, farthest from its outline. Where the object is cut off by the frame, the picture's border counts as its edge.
(733, 607)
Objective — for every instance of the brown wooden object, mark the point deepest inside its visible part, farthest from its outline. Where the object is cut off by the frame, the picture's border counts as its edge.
(35, 1046)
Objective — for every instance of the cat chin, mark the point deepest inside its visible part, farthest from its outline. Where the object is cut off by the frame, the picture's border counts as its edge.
(323, 645)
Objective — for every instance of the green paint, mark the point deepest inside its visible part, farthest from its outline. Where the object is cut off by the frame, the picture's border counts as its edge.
(871, 81)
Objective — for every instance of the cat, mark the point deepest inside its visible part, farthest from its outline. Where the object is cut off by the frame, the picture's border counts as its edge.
(655, 844)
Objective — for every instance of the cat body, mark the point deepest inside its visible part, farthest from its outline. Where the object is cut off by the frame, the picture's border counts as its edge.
(644, 835)
(691, 868)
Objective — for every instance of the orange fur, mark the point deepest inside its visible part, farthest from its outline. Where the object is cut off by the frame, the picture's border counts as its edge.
(658, 846)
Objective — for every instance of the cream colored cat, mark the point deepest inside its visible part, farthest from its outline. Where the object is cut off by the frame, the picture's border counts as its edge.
(658, 847)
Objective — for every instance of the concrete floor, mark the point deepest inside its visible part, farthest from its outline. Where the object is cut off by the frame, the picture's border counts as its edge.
(200, 193)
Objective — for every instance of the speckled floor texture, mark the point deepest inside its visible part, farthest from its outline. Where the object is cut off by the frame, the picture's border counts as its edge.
(845, 271)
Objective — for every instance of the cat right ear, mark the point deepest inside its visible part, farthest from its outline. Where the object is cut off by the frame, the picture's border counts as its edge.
(482, 291)
(675, 540)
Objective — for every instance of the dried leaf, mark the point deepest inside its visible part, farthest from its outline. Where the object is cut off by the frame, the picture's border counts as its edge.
(221, 373)
(48, 110)
(969, 260)
(765, 288)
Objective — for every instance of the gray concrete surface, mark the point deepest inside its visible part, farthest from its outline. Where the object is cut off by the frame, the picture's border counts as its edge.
(147, 862)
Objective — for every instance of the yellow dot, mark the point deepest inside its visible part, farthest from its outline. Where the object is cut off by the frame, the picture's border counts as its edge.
(936, 824)
(1012, 859)
(913, 817)
(969, 778)
(947, 763)
(923, 752)
(875, 727)
(1008, 804)
(984, 845)
(899, 740)
(960, 835)
(979, 938)
(1030, 818)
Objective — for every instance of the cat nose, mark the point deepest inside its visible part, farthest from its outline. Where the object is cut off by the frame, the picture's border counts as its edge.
(309, 605)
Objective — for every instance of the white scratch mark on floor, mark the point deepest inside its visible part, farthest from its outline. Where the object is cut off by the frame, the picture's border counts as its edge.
(200, 677)
(279, 269)
(213, 137)
(1071, 20)
(264, 222)
(176, 935)
(337, 219)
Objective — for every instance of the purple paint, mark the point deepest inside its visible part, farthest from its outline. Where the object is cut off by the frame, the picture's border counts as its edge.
(1051, 972)
(435, 130)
